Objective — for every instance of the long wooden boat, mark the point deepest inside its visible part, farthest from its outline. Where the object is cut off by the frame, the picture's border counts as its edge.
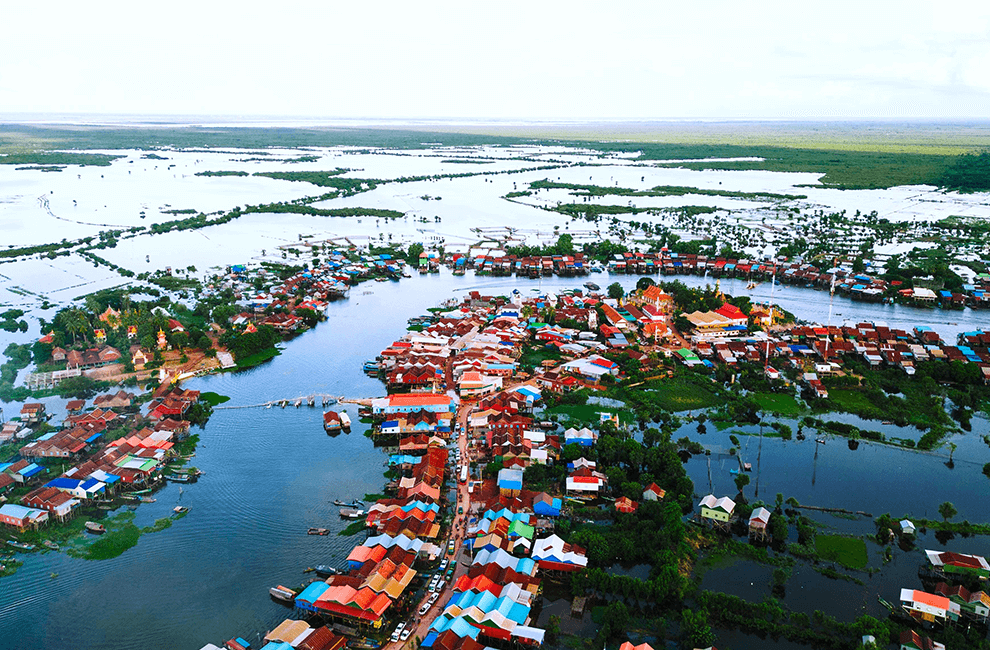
(324, 571)
(283, 594)
(317, 531)
(20, 545)
(95, 528)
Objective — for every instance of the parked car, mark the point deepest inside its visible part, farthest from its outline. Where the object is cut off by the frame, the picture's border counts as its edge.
(425, 608)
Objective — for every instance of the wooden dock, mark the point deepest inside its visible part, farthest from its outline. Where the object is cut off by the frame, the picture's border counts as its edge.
(309, 400)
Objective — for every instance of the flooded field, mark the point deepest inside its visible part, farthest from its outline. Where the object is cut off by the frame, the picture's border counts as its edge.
(272, 473)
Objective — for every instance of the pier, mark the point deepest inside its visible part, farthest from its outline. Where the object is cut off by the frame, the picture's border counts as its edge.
(308, 400)
(303, 400)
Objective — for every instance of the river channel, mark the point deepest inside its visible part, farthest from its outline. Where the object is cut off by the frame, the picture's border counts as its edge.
(271, 473)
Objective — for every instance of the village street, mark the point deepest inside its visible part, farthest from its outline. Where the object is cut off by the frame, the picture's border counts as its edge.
(458, 529)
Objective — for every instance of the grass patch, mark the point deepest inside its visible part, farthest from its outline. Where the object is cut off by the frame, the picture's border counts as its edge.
(847, 551)
(589, 412)
(257, 359)
(778, 403)
(679, 395)
(353, 528)
(121, 535)
(213, 399)
(849, 401)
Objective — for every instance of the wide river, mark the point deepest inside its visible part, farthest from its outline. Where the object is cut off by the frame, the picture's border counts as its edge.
(271, 473)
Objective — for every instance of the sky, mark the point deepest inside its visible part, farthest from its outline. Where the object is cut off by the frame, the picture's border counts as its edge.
(533, 60)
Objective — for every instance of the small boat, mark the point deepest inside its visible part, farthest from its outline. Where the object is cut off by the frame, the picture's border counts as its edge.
(887, 422)
(180, 509)
(820, 441)
(748, 467)
(591, 286)
(733, 471)
(95, 528)
(283, 594)
(175, 478)
(317, 531)
(146, 500)
(351, 513)
(331, 421)
(20, 545)
(338, 502)
(50, 544)
(345, 421)
(324, 571)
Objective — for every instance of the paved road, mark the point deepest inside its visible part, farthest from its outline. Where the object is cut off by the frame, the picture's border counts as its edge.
(459, 528)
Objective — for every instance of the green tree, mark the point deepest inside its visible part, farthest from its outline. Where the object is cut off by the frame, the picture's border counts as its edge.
(644, 283)
(615, 291)
(742, 480)
(412, 255)
(947, 510)
(858, 265)
(695, 630)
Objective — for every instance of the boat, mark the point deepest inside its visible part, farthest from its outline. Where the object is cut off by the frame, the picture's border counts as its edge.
(591, 286)
(50, 544)
(351, 513)
(338, 502)
(21, 545)
(887, 422)
(175, 478)
(345, 421)
(317, 531)
(331, 421)
(146, 499)
(324, 571)
(733, 471)
(548, 425)
(283, 594)
(820, 441)
(180, 509)
(95, 528)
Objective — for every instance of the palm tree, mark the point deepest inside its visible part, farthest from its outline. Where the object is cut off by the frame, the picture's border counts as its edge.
(76, 322)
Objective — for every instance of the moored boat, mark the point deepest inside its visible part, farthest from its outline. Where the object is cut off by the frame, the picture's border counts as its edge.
(180, 509)
(317, 531)
(331, 421)
(351, 513)
(283, 594)
(50, 544)
(324, 571)
(20, 545)
(96, 528)
(345, 421)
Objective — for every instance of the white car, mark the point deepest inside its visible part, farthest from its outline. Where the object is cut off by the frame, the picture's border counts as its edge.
(405, 634)
(398, 631)
(425, 608)
(434, 598)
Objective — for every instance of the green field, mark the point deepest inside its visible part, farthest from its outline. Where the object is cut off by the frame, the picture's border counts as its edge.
(850, 401)
(588, 413)
(847, 551)
(852, 155)
(778, 403)
(678, 395)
